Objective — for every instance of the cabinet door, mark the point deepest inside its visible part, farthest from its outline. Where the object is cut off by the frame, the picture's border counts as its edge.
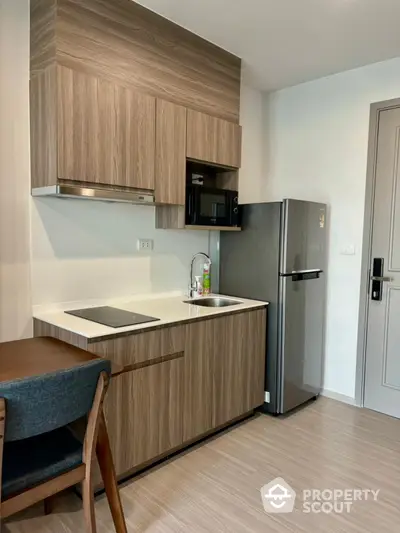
(144, 409)
(239, 365)
(199, 360)
(106, 133)
(213, 140)
(170, 169)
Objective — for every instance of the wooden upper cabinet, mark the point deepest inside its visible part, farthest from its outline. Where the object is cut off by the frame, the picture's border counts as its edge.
(170, 169)
(88, 130)
(134, 47)
(213, 139)
(106, 133)
(97, 68)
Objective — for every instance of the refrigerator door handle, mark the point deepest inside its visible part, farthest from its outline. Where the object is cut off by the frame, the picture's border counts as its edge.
(307, 271)
(296, 272)
(304, 275)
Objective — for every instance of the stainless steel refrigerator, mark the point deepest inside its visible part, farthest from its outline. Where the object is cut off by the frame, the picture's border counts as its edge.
(280, 257)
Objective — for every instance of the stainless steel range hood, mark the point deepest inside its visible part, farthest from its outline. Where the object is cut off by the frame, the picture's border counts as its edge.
(92, 193)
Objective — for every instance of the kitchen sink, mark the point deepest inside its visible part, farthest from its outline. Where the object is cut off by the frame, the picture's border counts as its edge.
(212, 302)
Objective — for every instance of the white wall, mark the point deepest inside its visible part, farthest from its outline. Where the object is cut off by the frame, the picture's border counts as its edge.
(15, 297)
(251, 119)
(85, 249)
(316, 138)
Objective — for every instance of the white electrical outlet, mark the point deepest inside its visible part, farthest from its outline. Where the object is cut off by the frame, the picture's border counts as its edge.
(145, 245)
(266, 397)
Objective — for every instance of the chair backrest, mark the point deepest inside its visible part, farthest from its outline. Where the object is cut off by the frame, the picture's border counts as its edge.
(39, 404)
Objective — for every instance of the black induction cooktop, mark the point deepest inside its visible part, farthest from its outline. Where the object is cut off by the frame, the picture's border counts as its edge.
(111, 316)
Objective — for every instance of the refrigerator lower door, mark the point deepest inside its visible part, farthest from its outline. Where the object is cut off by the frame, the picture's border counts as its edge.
(301, 338)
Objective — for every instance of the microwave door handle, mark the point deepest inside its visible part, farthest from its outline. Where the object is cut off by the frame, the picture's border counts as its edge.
(192, 207)
(188, 202)
(192, 210)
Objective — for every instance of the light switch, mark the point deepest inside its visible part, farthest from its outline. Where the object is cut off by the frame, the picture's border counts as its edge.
(349, 249)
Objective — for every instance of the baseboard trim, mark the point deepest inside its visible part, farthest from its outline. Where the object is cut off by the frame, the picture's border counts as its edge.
(339, 397)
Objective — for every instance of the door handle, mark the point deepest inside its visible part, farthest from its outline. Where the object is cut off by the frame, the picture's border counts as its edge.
(381, 279)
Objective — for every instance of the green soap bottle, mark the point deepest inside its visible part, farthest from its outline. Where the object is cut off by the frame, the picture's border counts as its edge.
(206, 279)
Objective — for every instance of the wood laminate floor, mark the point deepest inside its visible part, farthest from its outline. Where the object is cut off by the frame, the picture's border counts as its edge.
(216, 486)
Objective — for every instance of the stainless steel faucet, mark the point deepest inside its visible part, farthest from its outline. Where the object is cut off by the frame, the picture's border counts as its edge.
(193, 285)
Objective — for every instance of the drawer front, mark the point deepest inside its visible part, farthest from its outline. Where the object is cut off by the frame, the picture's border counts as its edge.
(138, 349)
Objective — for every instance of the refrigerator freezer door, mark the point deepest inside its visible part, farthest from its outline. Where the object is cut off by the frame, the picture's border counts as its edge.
(301, 338)
(303, 237)
(249, 260)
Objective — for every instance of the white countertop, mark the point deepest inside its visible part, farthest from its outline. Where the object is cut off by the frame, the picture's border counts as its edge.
(168, 309)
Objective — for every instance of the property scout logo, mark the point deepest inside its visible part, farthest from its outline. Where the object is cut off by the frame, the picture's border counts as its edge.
(279, 497)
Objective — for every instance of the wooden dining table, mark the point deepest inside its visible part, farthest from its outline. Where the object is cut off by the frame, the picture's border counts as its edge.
(41, 355)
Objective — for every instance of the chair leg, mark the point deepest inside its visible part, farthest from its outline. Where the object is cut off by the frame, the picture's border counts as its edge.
(48, 505)
(88, 505)
(107, 469)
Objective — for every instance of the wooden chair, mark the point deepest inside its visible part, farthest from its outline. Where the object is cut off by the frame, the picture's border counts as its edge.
(40, 456)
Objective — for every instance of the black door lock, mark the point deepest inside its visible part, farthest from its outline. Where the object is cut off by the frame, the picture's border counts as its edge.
(377, 279)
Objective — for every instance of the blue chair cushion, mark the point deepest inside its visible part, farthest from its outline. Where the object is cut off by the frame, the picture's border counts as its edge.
(32, 461)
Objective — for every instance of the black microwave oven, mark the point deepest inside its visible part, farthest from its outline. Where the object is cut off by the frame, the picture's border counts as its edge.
(207, 206)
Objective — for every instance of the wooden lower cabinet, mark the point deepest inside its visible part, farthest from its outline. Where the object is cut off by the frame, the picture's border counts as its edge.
(144, 413)
(224, 370)
(199, 361)
(239, 365)
(178, 383)
(188, 380)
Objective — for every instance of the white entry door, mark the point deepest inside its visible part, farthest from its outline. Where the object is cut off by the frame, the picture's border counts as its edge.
(382, 379)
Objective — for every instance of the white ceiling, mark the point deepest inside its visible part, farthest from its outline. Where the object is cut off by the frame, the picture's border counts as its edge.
(286, 42)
